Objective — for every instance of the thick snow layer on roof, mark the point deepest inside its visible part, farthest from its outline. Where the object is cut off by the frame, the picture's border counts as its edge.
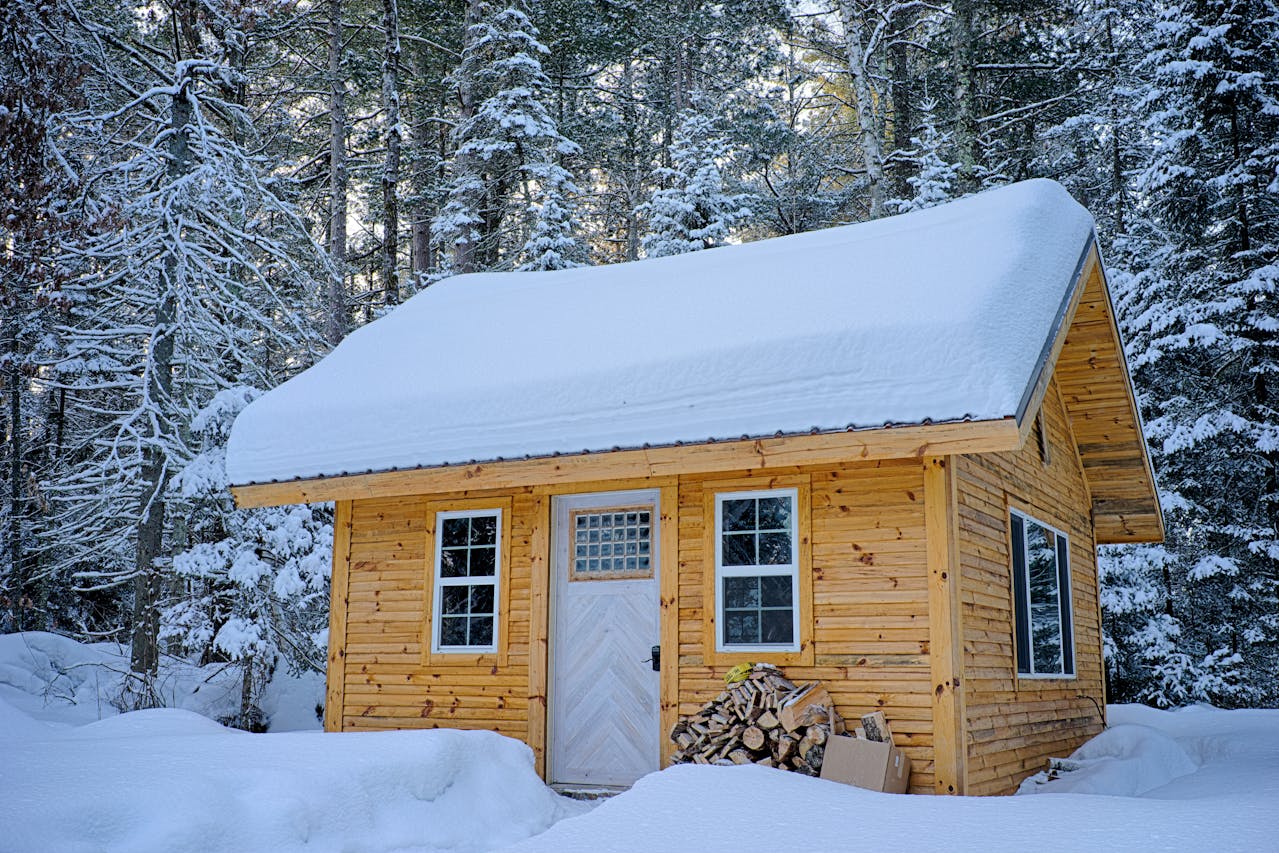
(940, 314)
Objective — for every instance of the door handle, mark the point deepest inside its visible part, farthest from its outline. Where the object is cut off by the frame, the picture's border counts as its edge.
(656, 658)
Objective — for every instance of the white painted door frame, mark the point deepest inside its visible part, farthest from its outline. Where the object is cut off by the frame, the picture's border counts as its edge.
(603, 719)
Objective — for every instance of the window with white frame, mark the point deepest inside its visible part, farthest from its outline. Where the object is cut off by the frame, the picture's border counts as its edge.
(467, 560)
(1041, 587)
(757, 571)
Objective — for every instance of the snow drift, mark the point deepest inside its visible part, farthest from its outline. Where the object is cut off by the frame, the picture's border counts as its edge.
(167, 780)
(1157, 781)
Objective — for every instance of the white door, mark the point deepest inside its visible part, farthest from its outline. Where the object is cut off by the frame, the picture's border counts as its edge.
(604, 728)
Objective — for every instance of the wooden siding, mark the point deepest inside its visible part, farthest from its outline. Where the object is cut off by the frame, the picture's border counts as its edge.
(386, 684)
(870, 609)
(1013, 723)
(870, 597)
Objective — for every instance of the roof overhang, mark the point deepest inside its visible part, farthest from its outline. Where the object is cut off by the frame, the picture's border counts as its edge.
(771, 453)
(1085, 356)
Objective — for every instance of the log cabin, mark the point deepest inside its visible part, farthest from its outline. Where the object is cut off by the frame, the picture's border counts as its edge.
(880, 455)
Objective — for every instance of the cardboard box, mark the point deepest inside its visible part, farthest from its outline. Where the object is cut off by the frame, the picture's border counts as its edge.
(866, 764)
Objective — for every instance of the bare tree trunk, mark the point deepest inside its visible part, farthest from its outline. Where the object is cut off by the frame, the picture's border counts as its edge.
(419, 220)
(145, 652)
(391, 169)
(1116, 151)
(335, 316)
(633, 174)
(16, 505)
(868, 132)
(900, 93)
(465, 250)
(961, 44)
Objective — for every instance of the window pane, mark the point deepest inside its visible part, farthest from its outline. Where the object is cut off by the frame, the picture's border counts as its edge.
(455, 531)
(739, 514)
(739, 549)
(1045, 616)
(453, 563)
(453, 599)
(774, 513)
(776, 591)
(741, 592)
(484, 530)
(774, 549)
(483, 561)
(482, 598)
(481, 631)
(453, 631)
(741, 627)
(776, 626)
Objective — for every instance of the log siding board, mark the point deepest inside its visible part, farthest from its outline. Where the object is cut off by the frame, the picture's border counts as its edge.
(335, 673)
(946, 660)
(668, 533)
(539, 629)
(1013, 723)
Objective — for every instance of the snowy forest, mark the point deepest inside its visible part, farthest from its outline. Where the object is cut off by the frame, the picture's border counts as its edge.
(202, 197)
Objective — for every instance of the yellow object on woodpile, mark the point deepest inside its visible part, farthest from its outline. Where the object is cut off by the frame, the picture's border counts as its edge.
(738, 673)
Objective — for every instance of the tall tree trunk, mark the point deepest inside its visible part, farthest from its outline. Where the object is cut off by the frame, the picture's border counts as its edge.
(421, 139)
(901, 94)
(962, 51)
(465, 251)
(145, 657)
(391, 169)
(868, 132)
(1120, 197)
(634, 179)
(336, 313)
(18, 582)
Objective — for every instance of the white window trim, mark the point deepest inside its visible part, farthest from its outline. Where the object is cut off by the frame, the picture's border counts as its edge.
(1032, 675)
(791, 571)
(440, 582)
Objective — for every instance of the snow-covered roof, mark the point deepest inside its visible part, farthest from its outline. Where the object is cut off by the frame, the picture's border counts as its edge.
(937, 315)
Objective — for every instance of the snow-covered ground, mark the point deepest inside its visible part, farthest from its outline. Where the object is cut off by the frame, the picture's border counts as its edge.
(1192, 780)
(77, 776)
(57, 680)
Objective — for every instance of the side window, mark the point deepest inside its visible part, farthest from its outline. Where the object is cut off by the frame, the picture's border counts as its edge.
(467, 561)
(1041, 588)
(757, 571)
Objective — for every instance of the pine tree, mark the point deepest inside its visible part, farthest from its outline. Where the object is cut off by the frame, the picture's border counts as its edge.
(693, 211)
(204, 282)
(551, 245)
(509, 140)
(254, 584)
(1201, 316)
(935, 178)
(39, 78)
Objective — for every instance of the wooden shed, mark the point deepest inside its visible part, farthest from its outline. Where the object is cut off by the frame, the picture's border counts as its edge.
(880, 455)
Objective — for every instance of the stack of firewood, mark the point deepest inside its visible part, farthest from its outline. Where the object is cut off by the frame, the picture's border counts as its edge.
(764, 719)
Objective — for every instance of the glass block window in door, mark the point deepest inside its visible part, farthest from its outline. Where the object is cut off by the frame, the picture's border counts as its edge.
(611, 544)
